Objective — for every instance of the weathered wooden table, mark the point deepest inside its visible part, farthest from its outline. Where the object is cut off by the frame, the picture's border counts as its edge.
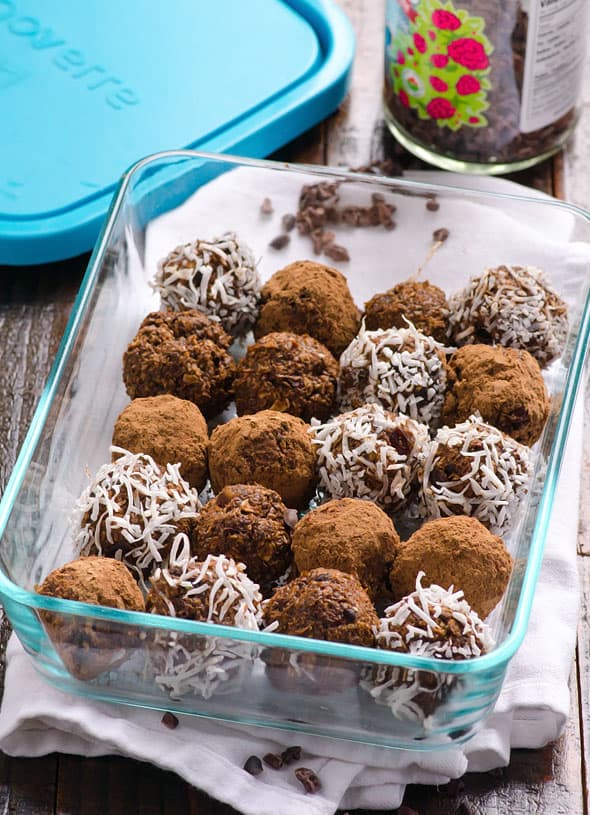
(34, 307)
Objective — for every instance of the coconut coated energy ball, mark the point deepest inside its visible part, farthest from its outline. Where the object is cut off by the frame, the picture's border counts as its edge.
(291, 373)
(268, 448)
(433, 622)
(183, 353)
(398, 368)
(170, 430)
(309, 298)
(416, 301)
(475, 469)
(99, 581)
(350, 535)
(504, 385)
(217, 277)
(250, 524)
(215, 590)
(458, 551)
(371, 454)
(134, 510)
(513, 306)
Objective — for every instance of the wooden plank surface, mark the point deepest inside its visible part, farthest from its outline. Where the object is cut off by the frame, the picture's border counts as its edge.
(34, 307)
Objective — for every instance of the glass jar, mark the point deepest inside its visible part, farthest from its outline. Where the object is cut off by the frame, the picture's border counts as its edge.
(481, 86)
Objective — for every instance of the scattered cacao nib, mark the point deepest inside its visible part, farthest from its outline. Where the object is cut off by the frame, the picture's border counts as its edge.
(464, 809)
(253, 765)
(432, 205)
(288, 222)
(440, 234)
(273, 760)
(308, 778)
(291, 754)
(279, 242)
(337, 252)
(266, 207)
(170, 721)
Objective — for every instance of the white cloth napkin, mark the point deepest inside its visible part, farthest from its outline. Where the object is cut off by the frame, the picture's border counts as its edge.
(36, 719)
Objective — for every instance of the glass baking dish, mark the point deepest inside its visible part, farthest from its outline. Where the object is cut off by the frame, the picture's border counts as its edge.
(264, 678)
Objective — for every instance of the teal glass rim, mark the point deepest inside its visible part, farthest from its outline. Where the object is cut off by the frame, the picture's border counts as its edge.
(495, 659)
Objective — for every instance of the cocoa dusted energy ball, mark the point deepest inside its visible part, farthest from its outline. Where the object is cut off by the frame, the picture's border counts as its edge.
(475, 469)
(291, 373)
(133, 510)
(214, 590)
(504, 385)
(268, 448)
(399, 368)
(85, 650)
(183, 353)
(458, 551)
(218, 277)
(416, 301)
(433, 622)
(371, 454)
(170, 430)
(309, 298)
(250, 524)
(513, 306)
(350, 535)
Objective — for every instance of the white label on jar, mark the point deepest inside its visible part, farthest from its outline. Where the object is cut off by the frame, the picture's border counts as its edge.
(554, 61)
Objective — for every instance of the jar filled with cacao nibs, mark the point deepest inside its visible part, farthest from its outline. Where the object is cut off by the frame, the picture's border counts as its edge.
(486, 86)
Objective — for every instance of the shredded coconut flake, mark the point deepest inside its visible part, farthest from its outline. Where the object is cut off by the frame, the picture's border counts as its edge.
(433, 622)
(399, 368)
(369, 453)
(497, 476)
(217, 277)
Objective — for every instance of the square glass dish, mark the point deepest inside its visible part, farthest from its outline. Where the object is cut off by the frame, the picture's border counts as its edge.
(263, 678)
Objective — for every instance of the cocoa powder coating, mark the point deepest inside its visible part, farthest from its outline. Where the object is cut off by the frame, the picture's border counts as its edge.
(420, 302)
(183, 353)
(248, 523)
(350, 535)
(291, 373)
(324, 604)
(168, 429)
(309, 298)
(268, 448)
(504, 385)
(457, 551)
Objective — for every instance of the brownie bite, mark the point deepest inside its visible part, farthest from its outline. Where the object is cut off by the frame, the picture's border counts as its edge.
(250, 524)
(416, 301)
(291, 373)
(183, 353)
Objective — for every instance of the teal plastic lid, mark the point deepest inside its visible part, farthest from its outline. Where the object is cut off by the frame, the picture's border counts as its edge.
(88, 88)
